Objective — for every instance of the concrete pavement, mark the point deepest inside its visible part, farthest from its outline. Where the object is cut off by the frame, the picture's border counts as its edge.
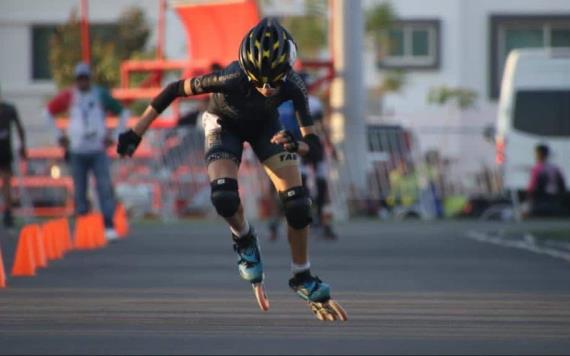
(408, 288)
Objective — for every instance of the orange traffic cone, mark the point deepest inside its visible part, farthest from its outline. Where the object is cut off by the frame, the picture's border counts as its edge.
(98, 230)
(57, 239)
(49, 242)
(64, 231)
(2, 272)
(39, 246)
(83, 239)
(121, 221)
(24, 264)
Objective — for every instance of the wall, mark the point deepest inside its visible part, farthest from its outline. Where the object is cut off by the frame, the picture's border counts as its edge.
(464, 62)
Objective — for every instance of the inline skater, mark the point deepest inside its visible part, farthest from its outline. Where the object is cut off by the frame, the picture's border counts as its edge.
(243, 108)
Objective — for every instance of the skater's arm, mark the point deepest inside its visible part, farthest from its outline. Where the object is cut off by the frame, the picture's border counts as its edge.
(214, 82)
(174, 90)
(129, 140)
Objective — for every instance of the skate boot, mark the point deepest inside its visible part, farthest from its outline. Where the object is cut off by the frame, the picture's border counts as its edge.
(317, 294)
(250, 266)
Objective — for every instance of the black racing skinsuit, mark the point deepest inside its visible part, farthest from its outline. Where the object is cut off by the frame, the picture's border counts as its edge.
(239, 113)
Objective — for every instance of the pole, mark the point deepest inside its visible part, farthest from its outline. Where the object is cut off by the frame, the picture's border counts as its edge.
(348, 126)
(160, 29)
(85, 43)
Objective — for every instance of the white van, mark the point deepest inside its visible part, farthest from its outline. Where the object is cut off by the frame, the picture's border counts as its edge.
(534, 108)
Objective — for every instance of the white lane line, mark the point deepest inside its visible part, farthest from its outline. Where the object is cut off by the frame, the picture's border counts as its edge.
(520, 244)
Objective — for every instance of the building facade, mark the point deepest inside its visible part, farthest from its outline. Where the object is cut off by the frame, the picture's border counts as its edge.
(459, 44)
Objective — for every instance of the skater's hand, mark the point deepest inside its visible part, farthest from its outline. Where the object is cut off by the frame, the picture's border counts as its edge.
(289, 143)
(128, 143)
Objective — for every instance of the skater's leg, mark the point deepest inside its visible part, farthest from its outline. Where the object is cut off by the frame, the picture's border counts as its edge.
(223, 151)
(287, 181)
(225, 197)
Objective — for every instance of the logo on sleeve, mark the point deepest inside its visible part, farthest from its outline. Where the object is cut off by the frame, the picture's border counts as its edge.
(198, 84)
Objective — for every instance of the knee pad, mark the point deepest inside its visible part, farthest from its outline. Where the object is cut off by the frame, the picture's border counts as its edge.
(297, 207)
(225, 196)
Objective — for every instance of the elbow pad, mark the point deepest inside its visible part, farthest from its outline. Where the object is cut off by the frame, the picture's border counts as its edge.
(315, 147)
(167, 96)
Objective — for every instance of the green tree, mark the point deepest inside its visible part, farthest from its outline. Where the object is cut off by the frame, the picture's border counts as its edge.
(133, 32)
(109, 46)
(463, 98)
(379, 20)
(311, 30)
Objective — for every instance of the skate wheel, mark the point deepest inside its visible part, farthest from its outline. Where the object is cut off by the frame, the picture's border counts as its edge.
(330, 316)
(339, 311)
(261, 296)
(319, 313)
(329, 311)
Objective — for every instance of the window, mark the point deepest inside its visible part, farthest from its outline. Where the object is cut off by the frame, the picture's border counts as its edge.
(543, 112)
(413, 44)
(41, 37)
(40, 51)
(512, 32)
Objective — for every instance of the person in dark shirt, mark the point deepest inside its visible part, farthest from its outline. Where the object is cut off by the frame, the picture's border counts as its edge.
(319, 165)
(243, 108)
(546, 186)
(8, 118)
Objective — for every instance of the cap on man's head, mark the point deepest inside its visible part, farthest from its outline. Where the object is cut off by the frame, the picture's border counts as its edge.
(82, 69)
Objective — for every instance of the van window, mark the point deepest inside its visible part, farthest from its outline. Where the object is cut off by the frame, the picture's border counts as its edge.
(543, 112)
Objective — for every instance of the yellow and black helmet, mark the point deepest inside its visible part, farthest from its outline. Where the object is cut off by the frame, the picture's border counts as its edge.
(267, 53)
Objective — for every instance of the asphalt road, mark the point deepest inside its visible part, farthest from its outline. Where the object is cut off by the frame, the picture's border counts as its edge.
(408, 288)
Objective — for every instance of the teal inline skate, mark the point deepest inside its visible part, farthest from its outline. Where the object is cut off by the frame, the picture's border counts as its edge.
(250, 265)
(317, 294)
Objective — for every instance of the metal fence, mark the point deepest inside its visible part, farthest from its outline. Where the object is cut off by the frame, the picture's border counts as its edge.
(167, 179)
(406, 180)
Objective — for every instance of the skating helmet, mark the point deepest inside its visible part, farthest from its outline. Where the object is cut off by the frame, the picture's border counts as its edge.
(267, 53)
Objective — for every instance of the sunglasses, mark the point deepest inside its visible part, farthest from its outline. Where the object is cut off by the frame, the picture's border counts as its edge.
(273, 85)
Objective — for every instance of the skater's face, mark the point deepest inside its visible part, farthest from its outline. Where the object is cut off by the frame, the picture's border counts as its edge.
(267, 92)
(268, 89)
